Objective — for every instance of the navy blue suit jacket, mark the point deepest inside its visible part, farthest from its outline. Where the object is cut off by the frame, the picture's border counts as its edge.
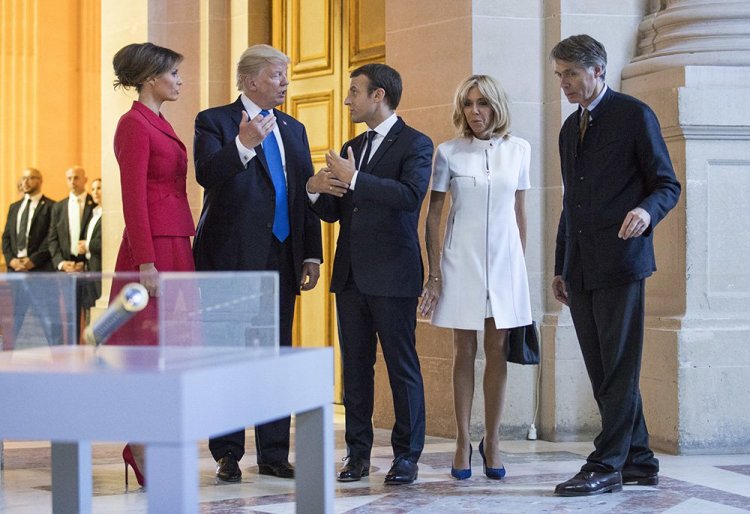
(378, 239)
(235, 228)
(621, 164)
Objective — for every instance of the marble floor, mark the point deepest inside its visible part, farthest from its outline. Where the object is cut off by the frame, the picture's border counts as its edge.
(689, 484)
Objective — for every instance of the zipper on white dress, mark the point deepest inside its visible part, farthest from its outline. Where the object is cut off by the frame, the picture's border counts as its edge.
(487, 227)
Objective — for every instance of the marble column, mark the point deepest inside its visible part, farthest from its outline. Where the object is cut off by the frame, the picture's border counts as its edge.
(693, 69)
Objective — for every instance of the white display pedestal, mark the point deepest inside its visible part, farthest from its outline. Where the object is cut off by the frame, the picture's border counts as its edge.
(167, 398)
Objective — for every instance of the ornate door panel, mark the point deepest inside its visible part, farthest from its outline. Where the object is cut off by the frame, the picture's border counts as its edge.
(325, 40)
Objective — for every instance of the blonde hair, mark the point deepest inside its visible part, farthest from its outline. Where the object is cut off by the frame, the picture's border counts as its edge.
(254, 59)
(496, 97)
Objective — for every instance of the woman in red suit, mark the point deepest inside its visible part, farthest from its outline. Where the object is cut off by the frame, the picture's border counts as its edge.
(153, 172)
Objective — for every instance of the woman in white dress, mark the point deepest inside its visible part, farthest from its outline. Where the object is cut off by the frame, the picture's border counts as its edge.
(480, 283)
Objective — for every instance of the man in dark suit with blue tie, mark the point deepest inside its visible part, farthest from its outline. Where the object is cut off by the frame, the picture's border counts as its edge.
(253, 162)
(374, 189)
(619, 183)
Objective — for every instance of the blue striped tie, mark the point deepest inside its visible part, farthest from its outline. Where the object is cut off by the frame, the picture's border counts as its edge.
(273, 158)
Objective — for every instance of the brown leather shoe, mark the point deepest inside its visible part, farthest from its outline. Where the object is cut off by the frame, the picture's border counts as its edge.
(282, 469)
(586, 483)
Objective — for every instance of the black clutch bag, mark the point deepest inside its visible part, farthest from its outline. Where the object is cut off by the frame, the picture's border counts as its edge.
(523, 345)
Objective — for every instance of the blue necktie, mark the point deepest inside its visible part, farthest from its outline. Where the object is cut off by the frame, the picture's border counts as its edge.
(273, 158)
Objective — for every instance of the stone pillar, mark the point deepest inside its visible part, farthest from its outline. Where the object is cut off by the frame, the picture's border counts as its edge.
(693, 68)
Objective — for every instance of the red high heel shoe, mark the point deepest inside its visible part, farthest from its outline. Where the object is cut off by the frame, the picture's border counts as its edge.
(127, 456)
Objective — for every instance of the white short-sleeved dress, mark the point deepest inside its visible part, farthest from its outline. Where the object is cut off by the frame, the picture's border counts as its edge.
(483, 266)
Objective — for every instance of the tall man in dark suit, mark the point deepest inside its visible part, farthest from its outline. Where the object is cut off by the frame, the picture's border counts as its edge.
(619, 183)
(68, 224)
(374, 189)
(253, 162)
(26, 249)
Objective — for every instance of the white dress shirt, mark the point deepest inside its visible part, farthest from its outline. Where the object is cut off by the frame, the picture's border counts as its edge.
(32, 208)
(76, 204)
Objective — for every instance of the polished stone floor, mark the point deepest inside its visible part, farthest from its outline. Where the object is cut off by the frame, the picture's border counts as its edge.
(689, 484)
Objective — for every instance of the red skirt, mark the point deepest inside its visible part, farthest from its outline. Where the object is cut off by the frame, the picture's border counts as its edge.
(172, 254)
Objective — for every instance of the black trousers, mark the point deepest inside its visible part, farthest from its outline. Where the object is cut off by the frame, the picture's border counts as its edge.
(271, 439)
(362, 320)
(609, 323)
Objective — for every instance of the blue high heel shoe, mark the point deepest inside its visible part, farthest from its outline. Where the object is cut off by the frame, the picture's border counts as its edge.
(493, 473)
(462, 474)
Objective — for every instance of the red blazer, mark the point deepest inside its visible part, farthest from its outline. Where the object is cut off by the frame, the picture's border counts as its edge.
(153, 172)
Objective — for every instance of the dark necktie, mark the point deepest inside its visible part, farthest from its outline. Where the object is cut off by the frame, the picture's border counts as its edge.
(583, 124)
(366, 154)
(22, 240)
(276, 168)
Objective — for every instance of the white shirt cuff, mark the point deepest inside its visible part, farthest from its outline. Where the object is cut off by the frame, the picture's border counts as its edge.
(312, 196)
(246, 154)
(354, 179)
(314, 261)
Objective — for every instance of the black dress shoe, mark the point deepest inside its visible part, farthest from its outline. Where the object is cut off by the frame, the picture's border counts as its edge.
(403, 471)
(280, 469)
(354, 470)
(227, 469)
(586, 483)
(636, 478)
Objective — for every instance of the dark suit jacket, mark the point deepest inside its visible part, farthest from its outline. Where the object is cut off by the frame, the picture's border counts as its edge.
(378, 239)
(37, 243)
(622, 164)
(234, 230)
(92, 288)
(59, 231)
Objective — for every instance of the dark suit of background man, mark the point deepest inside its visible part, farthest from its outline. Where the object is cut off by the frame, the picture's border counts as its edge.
(619, 183)
(375, 190)
(253, 163)
(26, 249)
(70, 218)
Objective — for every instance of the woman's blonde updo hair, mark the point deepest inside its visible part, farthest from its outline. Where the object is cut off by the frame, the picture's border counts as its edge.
(136, 63)
(497, 99)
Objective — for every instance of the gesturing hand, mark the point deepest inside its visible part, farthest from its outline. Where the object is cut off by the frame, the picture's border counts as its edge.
(324, 182)
(253, 132)
(342, 169)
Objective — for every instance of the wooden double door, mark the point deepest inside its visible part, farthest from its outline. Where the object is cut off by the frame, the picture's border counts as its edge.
(325, 40)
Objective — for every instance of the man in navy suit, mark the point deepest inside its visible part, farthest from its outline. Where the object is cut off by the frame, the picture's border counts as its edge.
(253, 163)
(374, 189)
(619, 183)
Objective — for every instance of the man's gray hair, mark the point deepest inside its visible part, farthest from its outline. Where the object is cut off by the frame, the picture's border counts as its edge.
(582, 49)
(254, 59)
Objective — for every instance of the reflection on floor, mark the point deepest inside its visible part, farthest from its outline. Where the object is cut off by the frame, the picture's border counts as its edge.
(689, 484)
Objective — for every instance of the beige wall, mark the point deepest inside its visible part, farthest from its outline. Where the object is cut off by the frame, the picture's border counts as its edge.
(49, 92)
